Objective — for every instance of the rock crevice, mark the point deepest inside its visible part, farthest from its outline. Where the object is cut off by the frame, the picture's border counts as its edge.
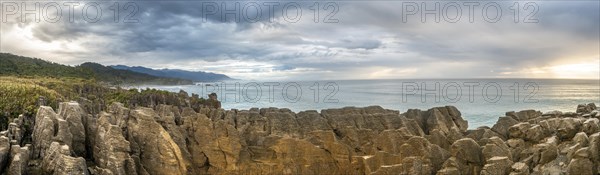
(369, 140)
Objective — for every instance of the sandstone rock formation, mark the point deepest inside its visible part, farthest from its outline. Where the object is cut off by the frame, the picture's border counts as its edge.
(371, 140)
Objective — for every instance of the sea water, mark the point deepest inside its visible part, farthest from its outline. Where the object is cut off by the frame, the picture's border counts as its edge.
(481, 101)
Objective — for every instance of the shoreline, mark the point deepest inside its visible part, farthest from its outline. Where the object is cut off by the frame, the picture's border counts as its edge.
(371, 140)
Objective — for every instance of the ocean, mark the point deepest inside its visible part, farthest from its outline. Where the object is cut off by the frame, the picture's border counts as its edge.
(481, 101)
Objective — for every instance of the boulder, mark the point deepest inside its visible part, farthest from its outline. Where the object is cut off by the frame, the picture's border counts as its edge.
(544, 153)
(580, 166)
(519, 130)
(586, 108)
(519, 168)
(591, 126)
(467, 149)
(581, 138)
(497, 165)
(502, 125)
(568, 128)
(525, 115)
(496, 148)
(452, 166)
(482, 135)
(581, 163)
(533, 133)
(468, 153)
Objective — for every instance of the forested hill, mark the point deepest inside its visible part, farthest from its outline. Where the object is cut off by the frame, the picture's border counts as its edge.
(14, 65)
(177, 73)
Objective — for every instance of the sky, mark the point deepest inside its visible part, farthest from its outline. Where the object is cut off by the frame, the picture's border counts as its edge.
(315, 40)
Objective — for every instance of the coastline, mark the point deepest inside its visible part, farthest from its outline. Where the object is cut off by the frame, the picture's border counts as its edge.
(371, 140)
(476, 106)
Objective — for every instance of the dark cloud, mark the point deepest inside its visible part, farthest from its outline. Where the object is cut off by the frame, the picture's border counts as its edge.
(367, 35)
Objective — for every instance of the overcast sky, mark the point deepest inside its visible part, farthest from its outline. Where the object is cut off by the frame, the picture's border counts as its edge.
(267, 40)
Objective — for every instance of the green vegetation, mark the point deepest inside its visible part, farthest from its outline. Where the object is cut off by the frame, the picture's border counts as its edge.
(20, 95)
(24, 80)
(13, 65)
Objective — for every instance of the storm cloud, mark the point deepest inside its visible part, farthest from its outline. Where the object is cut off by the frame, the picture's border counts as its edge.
(317, 40)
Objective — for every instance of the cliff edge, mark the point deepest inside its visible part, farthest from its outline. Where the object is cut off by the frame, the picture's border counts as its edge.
(370, 140)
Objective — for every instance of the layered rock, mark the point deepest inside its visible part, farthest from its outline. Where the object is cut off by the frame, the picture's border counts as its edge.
(371, 140)
(57, 160)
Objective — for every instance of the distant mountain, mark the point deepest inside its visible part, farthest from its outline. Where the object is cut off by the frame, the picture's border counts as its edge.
(176, 73)
(14, 65)
(108, 73)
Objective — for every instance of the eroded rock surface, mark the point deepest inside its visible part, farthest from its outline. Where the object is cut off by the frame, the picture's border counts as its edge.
(371, 140)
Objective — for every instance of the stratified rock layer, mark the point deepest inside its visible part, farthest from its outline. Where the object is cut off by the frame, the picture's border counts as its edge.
(371, 140)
